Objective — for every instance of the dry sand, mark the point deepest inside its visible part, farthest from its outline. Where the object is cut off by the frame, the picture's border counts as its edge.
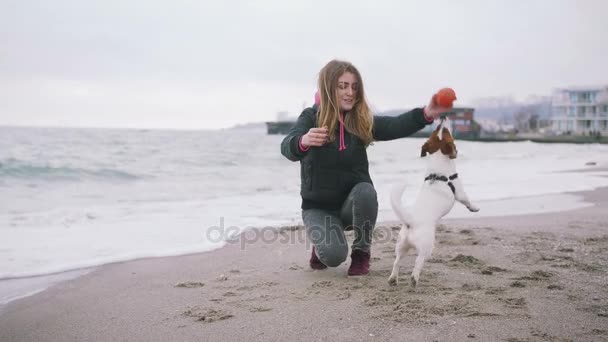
(524, 278)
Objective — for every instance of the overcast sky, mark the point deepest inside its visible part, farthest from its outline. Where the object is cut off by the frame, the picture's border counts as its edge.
(213, 64)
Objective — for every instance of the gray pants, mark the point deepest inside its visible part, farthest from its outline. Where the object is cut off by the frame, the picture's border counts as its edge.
(325, 228)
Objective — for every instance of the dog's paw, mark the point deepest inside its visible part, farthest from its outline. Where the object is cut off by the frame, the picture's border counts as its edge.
(473, 208)
(392, 280)
(414, 281)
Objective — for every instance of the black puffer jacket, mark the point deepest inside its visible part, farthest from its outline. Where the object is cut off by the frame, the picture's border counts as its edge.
(327, 174)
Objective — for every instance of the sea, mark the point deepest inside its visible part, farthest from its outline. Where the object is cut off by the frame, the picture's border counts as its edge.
(75, 198)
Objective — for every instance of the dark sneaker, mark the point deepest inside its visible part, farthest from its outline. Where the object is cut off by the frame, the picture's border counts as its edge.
(315, 263)
(359, 263)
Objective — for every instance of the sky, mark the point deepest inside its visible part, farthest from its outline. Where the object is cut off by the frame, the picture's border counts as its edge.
(214, 64)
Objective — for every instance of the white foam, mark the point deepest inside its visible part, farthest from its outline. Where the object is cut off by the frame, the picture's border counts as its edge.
(13, 289)
(194, 181)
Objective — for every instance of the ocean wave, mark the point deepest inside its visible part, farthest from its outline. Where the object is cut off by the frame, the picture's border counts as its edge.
(14, 168)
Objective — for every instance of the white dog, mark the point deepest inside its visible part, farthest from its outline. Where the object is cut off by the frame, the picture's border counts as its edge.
(436, 198)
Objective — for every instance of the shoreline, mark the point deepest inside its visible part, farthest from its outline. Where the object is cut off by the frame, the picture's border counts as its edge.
(520, 206)
(547, 282)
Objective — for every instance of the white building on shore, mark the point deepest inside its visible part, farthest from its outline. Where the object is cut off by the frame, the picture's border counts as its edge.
(580, 110)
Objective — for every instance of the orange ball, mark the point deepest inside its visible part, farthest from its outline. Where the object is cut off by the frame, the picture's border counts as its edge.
(446, 97)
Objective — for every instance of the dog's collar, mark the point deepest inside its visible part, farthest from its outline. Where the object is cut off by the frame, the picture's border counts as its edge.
(435, 177)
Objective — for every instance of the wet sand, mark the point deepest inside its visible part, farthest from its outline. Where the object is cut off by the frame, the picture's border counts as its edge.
(540, 277)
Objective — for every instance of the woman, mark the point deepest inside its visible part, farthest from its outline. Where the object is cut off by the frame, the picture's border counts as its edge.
(330, 141)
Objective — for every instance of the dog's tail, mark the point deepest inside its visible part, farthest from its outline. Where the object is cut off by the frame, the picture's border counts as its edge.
(403, 215)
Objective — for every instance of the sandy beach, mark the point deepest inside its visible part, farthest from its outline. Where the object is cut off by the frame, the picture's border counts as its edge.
(520, 278)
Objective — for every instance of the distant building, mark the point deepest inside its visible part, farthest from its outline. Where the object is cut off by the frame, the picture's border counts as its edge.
(279, 127)
(461, 120)
(504, 110)
(462, 124)
(580, 111)
(282, 125)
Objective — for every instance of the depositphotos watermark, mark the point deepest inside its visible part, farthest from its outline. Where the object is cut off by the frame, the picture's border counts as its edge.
(327, 233)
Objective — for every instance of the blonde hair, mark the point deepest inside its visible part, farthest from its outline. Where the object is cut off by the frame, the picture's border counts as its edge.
(359, 121)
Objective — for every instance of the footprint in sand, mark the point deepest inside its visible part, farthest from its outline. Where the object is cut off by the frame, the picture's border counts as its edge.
(322, 284)
(268, 284)
(556, 257)
(380, 273)
(354, 286)
(206, 315)
(382, 299)
(596, 240)
(555, 287)
(600, 310)
(436, 260)
(539, 275)
(343, 295)
(189, 284)
(495, 290)
(318, 286)
(571, 263)
(591, 268)
(490, 270)
(516, 303)
(599, 332)
(518, 284)
(471, 287)
(466, 261)
(245, 288)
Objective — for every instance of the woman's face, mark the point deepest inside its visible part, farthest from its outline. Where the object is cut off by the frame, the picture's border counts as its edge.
(348, 85)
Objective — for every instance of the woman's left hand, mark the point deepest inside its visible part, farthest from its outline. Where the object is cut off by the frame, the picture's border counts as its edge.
(434, 110)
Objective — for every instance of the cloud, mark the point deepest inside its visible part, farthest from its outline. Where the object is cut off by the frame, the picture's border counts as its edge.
(167, 64)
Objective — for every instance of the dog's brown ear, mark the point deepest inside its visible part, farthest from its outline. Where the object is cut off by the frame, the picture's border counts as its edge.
(425, 149)
(448, 149)
(447, 135)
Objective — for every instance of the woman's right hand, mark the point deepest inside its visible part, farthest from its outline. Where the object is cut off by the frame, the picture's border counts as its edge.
(315, 137)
